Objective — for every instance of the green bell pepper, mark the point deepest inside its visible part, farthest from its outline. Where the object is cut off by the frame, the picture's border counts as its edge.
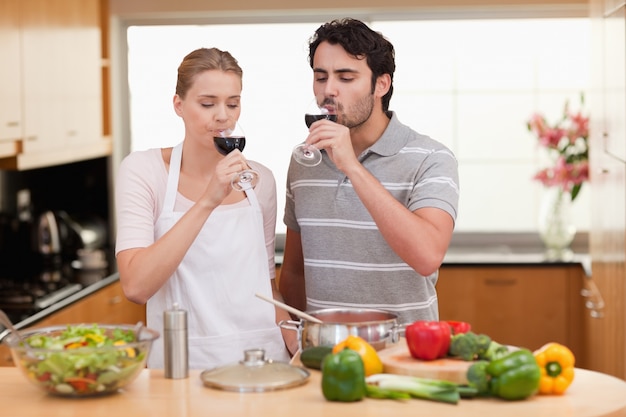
(515, 376)
(343, 376)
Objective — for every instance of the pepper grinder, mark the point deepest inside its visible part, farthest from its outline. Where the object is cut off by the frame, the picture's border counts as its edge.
(175, 340)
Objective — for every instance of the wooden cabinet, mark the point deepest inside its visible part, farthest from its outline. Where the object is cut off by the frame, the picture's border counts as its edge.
(606, 329)
(5, 356)
(10, 78)
(606, 334)
(59, 61)
(277, 275)
(517, 305)
(108, 305)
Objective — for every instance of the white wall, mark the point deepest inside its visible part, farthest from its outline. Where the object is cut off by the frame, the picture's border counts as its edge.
(470, 84)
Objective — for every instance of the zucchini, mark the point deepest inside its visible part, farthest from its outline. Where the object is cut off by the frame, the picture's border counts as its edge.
(313, 356)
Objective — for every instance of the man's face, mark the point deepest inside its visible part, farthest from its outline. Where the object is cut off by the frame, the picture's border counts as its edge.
(344, 83)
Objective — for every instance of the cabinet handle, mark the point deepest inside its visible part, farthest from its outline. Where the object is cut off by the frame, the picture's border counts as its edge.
(32, 137)
(594, 301)
(13, 124)
(71, 133)
(500, 282)
(115, 300)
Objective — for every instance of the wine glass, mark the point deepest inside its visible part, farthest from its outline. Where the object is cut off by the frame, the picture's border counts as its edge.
(309, 155)
(228, 141)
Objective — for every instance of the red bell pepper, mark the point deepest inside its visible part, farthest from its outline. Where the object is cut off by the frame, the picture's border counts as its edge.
(459, 326)
(428, 340)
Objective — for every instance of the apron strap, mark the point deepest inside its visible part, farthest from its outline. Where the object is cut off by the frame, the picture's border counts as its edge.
(172, 178)
(254, 201)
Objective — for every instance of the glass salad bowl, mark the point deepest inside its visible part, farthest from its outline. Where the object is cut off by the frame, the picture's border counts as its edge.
(81, 360)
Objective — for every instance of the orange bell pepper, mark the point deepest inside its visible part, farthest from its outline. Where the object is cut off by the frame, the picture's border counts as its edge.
(557, 368)
(371, 360)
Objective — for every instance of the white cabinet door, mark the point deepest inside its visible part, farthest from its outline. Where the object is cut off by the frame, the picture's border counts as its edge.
(615, 82)
(10, 75)
(51, 83)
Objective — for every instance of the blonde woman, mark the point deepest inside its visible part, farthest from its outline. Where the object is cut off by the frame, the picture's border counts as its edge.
(185, 236)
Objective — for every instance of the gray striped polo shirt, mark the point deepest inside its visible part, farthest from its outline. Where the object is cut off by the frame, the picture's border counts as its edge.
(347, 262)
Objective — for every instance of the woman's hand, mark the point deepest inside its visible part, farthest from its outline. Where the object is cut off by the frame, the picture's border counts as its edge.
(219, 186)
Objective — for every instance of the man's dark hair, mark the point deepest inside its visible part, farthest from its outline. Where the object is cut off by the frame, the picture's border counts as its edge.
(361, 42)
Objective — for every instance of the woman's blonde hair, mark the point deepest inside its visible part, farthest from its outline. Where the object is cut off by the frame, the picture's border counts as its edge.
(200, 60)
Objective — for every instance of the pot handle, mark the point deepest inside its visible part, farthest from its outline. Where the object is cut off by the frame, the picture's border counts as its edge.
(397, 331)
(289, 325)
(293, 325)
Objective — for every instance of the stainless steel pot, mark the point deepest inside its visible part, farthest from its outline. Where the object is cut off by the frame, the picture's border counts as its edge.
(374, 326)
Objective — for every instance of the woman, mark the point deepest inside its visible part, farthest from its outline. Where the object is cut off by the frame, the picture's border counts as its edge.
(185, 236)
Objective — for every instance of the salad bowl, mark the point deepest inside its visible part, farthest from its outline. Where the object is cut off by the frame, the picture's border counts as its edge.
(79, 360)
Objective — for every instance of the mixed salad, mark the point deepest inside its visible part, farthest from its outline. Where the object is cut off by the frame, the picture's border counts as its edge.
(83, 359)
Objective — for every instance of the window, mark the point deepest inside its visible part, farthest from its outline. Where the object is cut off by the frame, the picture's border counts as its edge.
(471, 84)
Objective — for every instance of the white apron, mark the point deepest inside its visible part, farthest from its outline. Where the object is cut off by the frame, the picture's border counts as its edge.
(216, 282)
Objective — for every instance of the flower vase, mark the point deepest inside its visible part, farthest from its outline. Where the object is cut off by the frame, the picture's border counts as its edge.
(556, 228)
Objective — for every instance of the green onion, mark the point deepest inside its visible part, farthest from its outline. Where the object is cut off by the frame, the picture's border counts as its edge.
(374, 391)
(424, 388)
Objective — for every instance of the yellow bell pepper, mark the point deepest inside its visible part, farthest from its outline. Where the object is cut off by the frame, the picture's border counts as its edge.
(557, 368)
(371, 360)
(130, 352)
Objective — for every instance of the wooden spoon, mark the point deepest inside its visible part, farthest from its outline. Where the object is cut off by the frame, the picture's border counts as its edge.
(290, 309)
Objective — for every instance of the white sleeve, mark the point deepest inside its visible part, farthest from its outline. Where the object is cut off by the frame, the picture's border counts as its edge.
(139, 187)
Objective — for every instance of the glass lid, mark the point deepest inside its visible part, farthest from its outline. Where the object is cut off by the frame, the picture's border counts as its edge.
(254, 374)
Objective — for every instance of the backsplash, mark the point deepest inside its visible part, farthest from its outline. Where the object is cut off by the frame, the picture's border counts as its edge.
(80, 188)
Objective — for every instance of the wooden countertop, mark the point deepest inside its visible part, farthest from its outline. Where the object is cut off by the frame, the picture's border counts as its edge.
(591, 395)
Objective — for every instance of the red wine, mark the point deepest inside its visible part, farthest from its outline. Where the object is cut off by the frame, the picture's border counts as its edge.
(226, 145)
(309, 119)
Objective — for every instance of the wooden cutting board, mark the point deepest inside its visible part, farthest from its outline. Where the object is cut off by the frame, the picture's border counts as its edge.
(396, 359)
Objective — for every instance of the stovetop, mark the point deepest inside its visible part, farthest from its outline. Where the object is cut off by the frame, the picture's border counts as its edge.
(25, 291)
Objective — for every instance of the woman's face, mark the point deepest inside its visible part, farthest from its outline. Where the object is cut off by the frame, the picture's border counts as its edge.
(212, 104)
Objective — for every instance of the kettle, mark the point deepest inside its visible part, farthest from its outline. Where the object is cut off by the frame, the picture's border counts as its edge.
(48, 239)
(60, 233)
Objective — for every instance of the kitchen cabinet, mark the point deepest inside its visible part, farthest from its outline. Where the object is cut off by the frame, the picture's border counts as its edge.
(277, 274)
(614, 88)
(606, 329)
(10, 78)
(5, 356)
(606, 321)
(56, 112)
(108, 305)
(519, 305)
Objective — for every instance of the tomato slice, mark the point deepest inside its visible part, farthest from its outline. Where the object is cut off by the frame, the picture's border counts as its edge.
(44, 377)
(80, 384)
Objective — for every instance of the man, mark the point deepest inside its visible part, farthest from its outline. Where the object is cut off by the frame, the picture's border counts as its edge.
(370, 225)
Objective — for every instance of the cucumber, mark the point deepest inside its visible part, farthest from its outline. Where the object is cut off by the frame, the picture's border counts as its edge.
(313, 356)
